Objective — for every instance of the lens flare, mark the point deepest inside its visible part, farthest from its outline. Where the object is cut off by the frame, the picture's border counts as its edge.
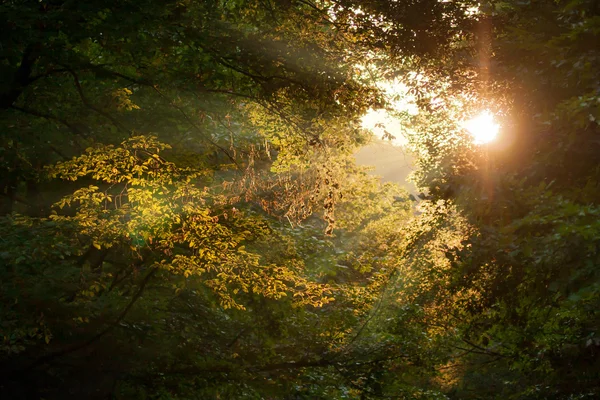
(482, 128)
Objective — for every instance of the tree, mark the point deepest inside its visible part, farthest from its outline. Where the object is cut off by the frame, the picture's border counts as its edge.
(180, 211)
(148, 151)
(516, 284)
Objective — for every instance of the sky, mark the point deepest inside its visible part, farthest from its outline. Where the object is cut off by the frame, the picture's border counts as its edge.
(389, 157)
(392, 163)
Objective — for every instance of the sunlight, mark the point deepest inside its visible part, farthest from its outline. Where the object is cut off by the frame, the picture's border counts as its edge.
(482, 128)
(383, 123)
(384, 126)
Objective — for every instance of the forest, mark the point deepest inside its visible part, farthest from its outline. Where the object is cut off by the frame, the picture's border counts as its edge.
(182, 216)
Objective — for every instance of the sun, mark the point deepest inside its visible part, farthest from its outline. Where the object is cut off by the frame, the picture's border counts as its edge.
(482, 127)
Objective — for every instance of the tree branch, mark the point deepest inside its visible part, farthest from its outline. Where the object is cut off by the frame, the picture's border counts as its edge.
(52, 356)
(72, 128)
(89, 105)
(21, 77)
(197, 128)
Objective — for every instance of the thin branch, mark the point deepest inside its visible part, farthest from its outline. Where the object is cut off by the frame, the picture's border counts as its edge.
(52, 356)
(48, 73)
(118, 278)
(17, 199)
(197, 128)
(323, 13)
(373, 314)
(236, 338)
(484, 350)
(101, 68)
(229, 92)
(57, 151)
(89, 105)
(49, 117)
(146, 82)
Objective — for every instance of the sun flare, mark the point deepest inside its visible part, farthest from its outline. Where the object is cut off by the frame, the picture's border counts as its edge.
(482, 128)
